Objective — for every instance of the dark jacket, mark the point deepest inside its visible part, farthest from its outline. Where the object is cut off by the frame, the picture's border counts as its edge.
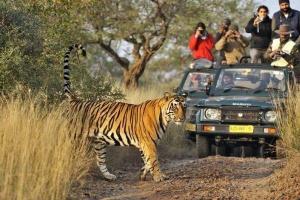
(293, 20)
(261, 36)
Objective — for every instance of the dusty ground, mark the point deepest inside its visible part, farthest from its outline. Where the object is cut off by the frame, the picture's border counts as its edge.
(209, 178)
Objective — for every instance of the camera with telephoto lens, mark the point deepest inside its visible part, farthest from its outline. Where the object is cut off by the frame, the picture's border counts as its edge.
(201, 31)
(282, 53)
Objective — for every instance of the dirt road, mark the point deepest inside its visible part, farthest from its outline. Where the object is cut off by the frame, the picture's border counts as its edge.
(209, 178)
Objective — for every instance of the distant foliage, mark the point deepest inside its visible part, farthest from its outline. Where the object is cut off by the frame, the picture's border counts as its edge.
(33, 39)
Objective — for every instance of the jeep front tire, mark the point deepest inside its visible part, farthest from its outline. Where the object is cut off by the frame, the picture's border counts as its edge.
(202, 146)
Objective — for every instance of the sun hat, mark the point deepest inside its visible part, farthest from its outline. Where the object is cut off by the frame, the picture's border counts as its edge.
(234, 27)
(284, 29)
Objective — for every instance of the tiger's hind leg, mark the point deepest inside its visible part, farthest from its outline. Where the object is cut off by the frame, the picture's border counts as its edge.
(100, 150)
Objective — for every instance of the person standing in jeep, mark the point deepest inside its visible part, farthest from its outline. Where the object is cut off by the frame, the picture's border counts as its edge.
(201, 43)
(233, 43)
(283, 51)
(260, 28)
(224, 26)
(287, 15)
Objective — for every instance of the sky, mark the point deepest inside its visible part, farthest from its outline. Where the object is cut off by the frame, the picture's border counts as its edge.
(274, 6)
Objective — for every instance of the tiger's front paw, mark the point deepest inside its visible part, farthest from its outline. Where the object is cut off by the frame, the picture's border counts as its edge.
(159, 177)
(142, 177)
(143, 174)
(166, 177)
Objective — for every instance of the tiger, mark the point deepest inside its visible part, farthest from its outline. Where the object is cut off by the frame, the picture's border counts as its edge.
(123, 124)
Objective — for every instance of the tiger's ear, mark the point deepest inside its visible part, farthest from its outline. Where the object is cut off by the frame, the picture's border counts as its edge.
(167, 95)
(179, 98)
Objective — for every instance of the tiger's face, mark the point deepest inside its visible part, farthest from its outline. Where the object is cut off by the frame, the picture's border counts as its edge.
(175, 109)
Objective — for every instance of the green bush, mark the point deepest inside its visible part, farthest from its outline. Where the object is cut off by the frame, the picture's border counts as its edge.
(33, 40)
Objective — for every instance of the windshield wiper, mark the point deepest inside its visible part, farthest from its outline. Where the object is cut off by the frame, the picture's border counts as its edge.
(194, 91)
(269, 88)
(238, 87)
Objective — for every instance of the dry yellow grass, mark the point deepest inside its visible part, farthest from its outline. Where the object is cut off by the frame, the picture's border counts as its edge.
(285, 182)
(142, 94)
(289, 122)
(147, 92)
(38, 160)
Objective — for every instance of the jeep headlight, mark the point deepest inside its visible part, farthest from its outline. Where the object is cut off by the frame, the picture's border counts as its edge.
(270, 116)
(212, 114)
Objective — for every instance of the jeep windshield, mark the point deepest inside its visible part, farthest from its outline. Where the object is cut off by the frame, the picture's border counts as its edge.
(197, 81)
(251, 81)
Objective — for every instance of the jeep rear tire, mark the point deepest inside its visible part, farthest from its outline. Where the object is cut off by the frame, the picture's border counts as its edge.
(202, 146)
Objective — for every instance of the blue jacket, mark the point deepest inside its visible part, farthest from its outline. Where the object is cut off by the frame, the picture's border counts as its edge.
(293, 20)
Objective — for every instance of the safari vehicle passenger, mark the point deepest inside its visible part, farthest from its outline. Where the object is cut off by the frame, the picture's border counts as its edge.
(283, 51)
(233, 43)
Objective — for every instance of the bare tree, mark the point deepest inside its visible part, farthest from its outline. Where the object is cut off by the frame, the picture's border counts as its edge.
(143, 24)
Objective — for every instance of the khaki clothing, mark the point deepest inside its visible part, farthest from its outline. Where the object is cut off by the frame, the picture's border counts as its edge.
(289, 50)
(234, 49)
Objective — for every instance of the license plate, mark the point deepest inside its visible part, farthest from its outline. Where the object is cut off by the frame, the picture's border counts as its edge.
(190, 127)
(241, 129)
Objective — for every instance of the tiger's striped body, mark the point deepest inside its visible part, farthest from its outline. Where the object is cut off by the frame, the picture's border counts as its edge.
(118, 123)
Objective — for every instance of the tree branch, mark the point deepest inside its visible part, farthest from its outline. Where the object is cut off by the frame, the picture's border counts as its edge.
(121, 60)
(131, 39)
(136, 51)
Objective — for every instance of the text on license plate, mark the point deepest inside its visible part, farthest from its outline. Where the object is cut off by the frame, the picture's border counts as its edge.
(190, 127)
(241, 129)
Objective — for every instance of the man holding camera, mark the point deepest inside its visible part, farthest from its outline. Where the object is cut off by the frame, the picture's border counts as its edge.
(221, 32)
(260, 28)
(233, 44)
(283, 51)
(201, 43)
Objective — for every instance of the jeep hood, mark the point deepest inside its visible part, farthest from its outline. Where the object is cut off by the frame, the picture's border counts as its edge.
(192, 100)
(263, 102)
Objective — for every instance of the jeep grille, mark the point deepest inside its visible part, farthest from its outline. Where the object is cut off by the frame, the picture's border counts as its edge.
(241, 115)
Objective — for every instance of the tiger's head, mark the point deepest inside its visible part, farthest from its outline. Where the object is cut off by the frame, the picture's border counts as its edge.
(173, 108)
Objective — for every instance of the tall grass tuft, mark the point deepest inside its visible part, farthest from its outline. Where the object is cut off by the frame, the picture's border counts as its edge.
(289, 121)
(38, 160)
(285, 182)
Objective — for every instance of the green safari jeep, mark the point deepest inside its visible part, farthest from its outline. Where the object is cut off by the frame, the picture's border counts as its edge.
(238, 118)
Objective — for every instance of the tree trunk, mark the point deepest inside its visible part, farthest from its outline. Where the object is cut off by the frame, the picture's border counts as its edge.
(131, 80)
(133, 74)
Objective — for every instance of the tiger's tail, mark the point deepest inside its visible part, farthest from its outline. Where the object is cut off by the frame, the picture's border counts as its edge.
(67, 82)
